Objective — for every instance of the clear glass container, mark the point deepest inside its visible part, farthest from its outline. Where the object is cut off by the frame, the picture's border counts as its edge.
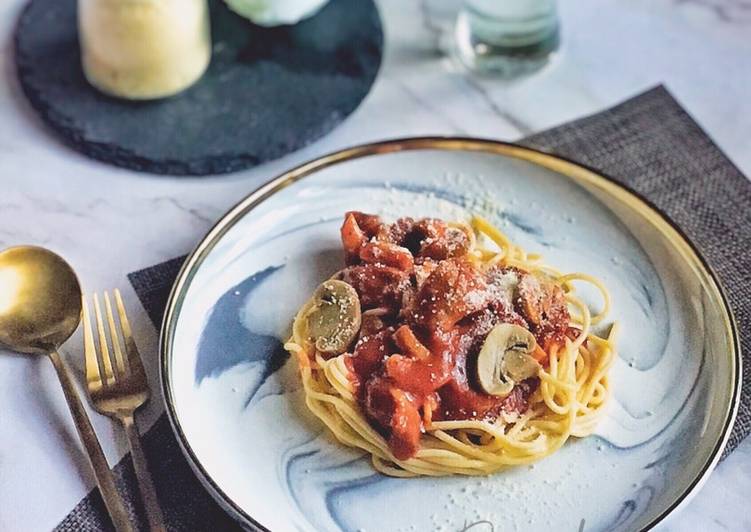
(144, 49)
(509, 38)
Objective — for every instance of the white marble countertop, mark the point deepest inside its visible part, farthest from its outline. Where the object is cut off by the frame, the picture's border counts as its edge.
(108, 222)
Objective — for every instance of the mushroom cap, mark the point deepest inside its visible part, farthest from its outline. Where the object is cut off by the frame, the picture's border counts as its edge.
(334, 316)
(505, 359)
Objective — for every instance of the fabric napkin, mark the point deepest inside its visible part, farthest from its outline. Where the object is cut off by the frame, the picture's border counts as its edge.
(649, 143)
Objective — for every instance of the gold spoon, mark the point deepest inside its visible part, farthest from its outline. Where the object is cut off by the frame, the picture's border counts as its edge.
(40, 308)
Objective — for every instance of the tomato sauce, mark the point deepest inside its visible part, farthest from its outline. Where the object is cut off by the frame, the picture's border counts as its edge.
(426, 312)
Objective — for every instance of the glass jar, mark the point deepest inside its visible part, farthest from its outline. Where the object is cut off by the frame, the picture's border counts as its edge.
(143, 49)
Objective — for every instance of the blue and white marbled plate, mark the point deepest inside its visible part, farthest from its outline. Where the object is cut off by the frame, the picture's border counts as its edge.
(234, 395)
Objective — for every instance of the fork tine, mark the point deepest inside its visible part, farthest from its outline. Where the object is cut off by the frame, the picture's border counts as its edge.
(118, 361)
(109, 376)
(93, 375)
(134, 358)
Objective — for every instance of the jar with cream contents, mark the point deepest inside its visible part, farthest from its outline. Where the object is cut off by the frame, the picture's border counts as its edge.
(144, 49)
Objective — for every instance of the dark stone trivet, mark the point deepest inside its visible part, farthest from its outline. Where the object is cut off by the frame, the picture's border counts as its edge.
(266, 93)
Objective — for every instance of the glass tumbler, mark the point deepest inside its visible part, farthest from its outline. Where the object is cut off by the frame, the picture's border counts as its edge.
(508, 38)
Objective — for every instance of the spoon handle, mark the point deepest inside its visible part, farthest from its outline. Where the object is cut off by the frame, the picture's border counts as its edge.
(102, 472)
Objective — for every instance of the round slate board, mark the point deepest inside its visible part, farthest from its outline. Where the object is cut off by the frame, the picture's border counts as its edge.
(267, 92)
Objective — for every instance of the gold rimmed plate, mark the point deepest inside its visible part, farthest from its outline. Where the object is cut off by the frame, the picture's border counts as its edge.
(234, 396)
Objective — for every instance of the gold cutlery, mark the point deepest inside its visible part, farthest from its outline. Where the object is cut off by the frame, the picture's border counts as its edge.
(118, 387)
(40, 308)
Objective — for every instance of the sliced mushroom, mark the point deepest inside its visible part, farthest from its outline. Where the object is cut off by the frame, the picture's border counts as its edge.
(505, 360)
(334, 317)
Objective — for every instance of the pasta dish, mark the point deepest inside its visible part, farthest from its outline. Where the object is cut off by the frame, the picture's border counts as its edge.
(444, 348)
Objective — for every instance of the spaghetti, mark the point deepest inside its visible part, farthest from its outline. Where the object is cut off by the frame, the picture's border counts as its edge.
(429, 294)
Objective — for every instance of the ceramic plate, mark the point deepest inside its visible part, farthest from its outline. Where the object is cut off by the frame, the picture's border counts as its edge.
(234, 397)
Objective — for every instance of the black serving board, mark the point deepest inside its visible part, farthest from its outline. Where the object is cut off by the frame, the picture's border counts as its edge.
(267, 92)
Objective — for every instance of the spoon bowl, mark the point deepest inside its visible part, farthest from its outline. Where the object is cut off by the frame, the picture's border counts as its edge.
(40, 300)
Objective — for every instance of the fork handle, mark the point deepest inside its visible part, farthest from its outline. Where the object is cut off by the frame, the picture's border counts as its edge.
(145, 483)
(102, 472)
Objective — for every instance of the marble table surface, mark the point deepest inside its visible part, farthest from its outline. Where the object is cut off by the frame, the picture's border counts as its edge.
(108, 222)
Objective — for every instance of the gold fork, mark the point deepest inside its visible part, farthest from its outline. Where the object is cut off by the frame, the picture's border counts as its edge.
(118, 387)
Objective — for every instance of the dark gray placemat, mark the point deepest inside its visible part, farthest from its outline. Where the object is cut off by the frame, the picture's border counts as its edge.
(649, 143)
(267, 92)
